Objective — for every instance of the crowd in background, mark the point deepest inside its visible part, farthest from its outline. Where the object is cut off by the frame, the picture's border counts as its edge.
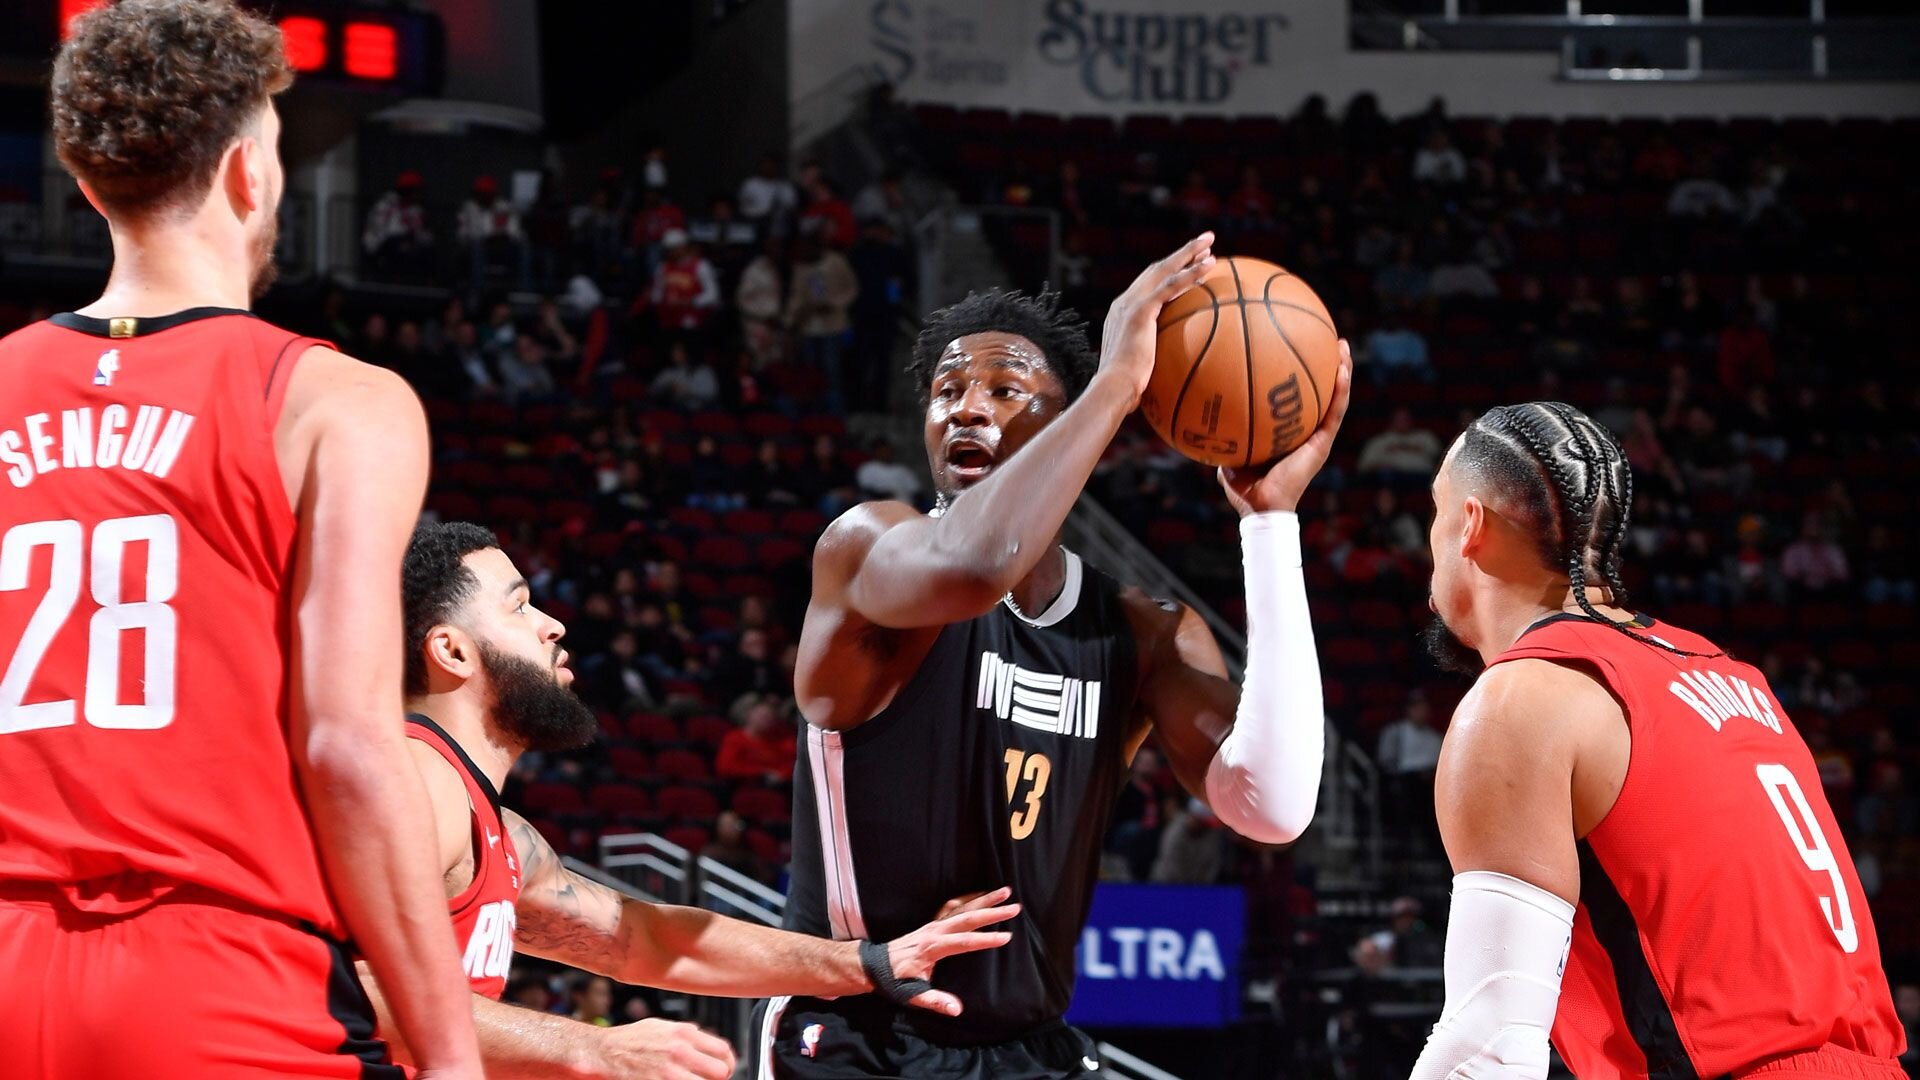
(642, 388)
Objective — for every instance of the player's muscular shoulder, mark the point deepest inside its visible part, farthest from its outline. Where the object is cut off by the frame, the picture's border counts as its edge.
(331, 393)
(452, 815)
(1539, 724)
(844, 545)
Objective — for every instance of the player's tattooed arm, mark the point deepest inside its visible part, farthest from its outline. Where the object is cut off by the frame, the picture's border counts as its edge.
(561, 915)
(565, 917)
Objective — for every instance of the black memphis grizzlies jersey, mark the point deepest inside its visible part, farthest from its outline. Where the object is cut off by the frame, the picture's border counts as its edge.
(996, 764)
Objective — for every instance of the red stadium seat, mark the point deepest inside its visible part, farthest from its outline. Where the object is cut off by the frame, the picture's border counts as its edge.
(776, 552)
(724, 552)
(687, 802)
(553, 798)
(805, 524)
(691, 837)
(629, 762)
(763, 806)
(692, 517)
(708, 729)
(653, 728)
(765, 846)
(681, 765)
(620, 800)
(748, 522)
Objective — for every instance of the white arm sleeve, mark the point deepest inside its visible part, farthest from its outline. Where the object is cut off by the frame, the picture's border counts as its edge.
(1265, 778)
(1507, 944)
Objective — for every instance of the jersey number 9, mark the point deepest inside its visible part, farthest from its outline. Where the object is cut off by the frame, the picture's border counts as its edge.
(1814, 850)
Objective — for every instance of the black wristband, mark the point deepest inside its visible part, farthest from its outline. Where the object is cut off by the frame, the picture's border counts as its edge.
(879, 968)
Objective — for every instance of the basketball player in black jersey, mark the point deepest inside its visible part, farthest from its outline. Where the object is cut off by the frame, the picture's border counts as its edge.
(974, 692)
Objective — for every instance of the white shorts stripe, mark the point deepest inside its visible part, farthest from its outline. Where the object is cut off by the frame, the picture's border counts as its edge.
(768, 1026)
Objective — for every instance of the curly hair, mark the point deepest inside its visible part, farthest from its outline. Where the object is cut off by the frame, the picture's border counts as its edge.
(435, 583)
(148, 94)
(1057, 331)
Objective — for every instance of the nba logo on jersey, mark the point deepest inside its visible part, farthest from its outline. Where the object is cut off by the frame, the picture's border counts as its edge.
(810, 1039)
(104, 368)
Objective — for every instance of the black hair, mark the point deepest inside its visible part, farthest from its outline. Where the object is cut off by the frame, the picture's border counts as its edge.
(435, 582)
(1056, 330)
(1575, 489)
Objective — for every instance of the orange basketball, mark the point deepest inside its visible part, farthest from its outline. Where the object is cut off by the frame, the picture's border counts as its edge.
(1244, 367)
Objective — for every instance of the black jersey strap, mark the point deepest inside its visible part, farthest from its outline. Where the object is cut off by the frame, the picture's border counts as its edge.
(879, 966)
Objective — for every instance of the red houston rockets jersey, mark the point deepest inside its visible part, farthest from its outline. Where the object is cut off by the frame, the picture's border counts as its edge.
(1720, 923)
(483, 917)
(146, 551)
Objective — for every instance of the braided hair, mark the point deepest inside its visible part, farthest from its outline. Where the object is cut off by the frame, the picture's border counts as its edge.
(1575, 488)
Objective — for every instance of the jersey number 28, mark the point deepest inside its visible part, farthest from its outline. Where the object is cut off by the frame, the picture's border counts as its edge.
(1814, 850)
(103, 707)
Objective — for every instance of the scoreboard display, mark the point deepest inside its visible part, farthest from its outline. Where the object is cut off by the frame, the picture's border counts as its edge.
(359, 45)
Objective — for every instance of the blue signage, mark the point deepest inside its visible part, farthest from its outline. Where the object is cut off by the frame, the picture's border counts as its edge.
(1160, 956)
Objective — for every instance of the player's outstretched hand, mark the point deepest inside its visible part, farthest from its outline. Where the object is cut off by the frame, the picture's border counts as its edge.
(660, 1050)
(1279, 486)
(954, 931)
(1132, 329)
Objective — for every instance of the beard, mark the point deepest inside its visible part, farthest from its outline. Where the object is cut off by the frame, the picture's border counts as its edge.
(531, 706)
(265, 270)
(1448, 651)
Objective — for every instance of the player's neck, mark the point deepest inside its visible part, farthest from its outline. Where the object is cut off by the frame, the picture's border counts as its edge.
(159, 269)
(1506, 618)
(1041, 587)
(464, 719)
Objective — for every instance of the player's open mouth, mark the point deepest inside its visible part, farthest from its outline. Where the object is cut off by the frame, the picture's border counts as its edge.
(968, 460)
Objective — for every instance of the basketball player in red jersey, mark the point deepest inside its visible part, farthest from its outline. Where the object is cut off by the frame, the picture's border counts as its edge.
(205, 791)
(487, 681)
(1624, 803)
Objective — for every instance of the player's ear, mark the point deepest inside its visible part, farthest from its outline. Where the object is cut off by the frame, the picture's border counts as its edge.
(243, 172)
(1473, 526)
(92, 199)
(450, 650)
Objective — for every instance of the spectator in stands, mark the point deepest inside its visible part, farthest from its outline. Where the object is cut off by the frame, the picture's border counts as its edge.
(1415, 943)
(1460, 276)
(1135, 833)
(1758, 431)
(1192, 847)
(549, 238)
(1197, 201)
(374, 342)
(828, 481)
(1886, 574)
(686, 289)
(1439, 162)
(767, 199)
(529, 992)
(1394, 350)
(711, 483)
(524, 374)
(1744, 354)
(1701, 195)
(886, 200)
(653, 169)
(619, 675)
(730, 849)
(684, 384)
(592, 1000)
(762, 749)
(1887, 808)
(1250, 206)
(1408, 753)
(466, 357)
(770, 482)
(761, 300)
(1402, 454)
(595, 225)
(490, 229)
(727, 241)
(819, 301)
(882, 477)
(1398, 531)
(1401, 282)
(1814, 564)
(396, 238)
(750, 667)
(883, 273)
(827, 217)
(1705, 457)
(656, 218)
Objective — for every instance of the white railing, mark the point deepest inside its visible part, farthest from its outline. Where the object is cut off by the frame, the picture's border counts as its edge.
(637, 864)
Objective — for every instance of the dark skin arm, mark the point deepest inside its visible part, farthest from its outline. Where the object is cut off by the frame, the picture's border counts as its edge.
(570, 919)
(1185, 695)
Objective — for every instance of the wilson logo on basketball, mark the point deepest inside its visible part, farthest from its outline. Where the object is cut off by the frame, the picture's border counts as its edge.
(1285, 409)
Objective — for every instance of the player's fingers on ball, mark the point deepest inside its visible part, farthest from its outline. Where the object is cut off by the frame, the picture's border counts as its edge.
(1185, 279)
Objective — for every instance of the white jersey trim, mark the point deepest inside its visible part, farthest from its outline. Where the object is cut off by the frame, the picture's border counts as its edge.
(1062, 605)
(769, 1025)
(827, 756)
